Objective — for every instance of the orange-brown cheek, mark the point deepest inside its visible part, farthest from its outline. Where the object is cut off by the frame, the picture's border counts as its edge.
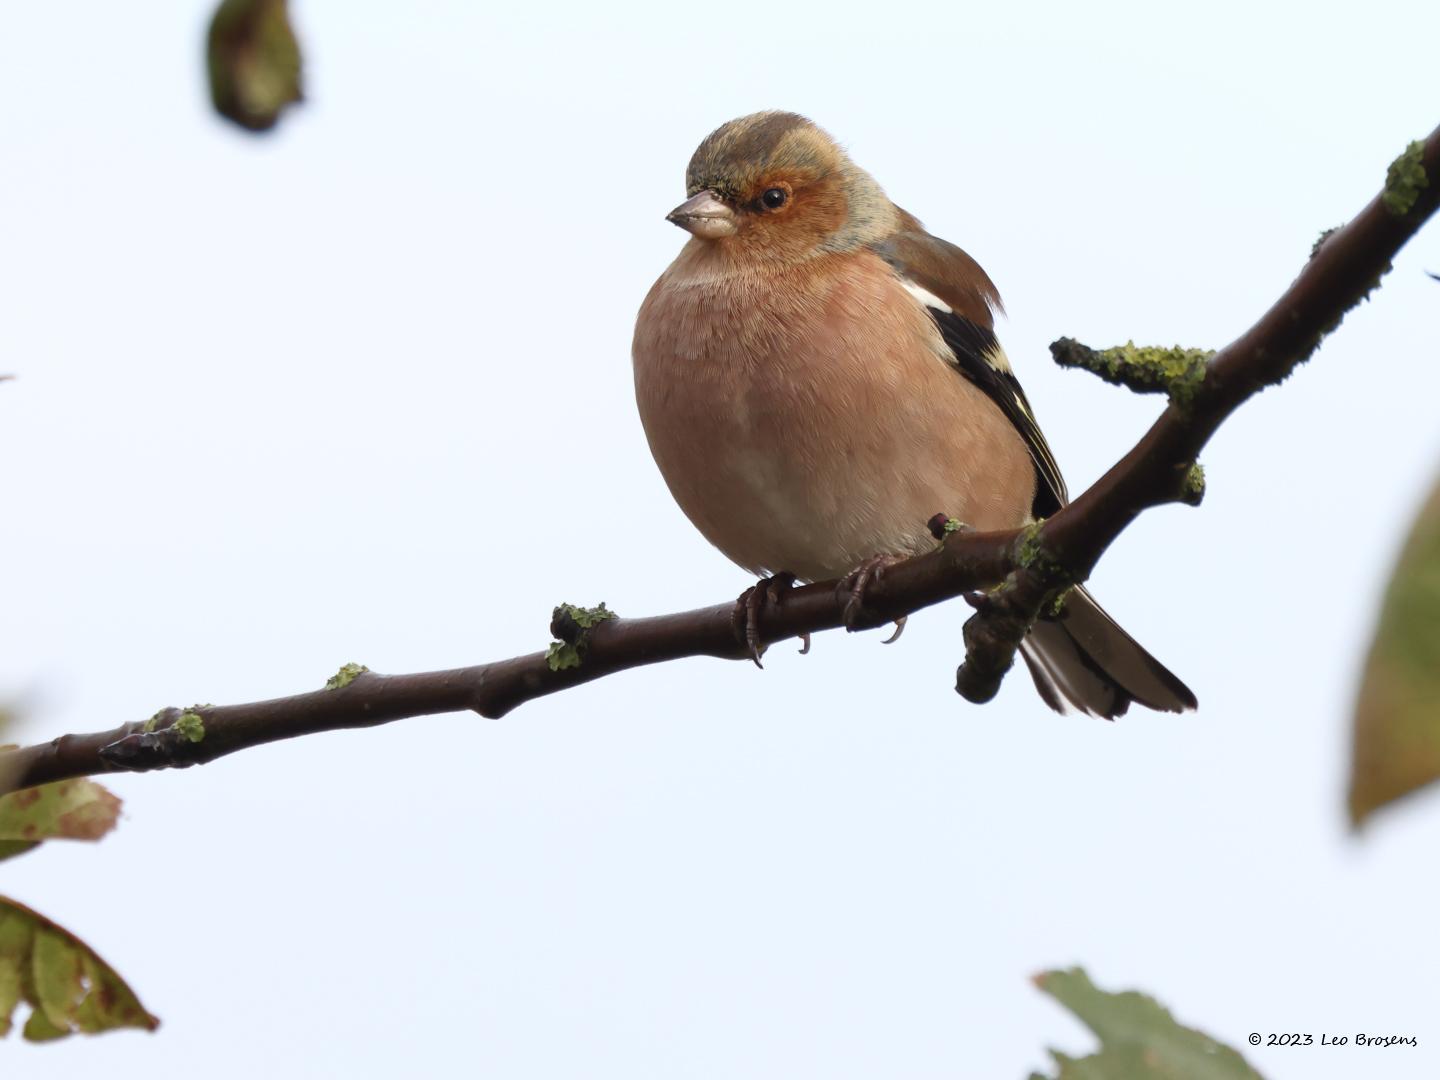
(816, 213)
(819, 217)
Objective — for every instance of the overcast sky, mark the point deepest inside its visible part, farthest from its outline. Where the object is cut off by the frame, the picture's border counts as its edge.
(361, 391)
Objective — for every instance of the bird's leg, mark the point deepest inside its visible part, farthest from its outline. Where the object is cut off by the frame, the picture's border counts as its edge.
(856, 582)
(746, 618)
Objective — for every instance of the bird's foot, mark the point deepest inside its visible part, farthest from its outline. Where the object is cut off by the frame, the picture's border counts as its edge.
(855, 583)
(746, 618)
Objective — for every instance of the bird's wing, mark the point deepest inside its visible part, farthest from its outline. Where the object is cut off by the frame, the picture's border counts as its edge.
(962, 301)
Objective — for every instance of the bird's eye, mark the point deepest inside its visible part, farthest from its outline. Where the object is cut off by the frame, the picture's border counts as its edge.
(774, 198)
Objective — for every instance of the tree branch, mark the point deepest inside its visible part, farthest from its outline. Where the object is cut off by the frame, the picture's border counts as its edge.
(1031, 566)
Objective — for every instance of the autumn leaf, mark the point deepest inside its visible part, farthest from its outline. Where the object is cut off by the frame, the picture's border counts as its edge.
(254, 62)
(1139, 1039)
(1396, 746)
(65, 810)
(68, 988)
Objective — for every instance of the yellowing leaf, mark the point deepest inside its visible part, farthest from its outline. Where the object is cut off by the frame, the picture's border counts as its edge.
(254, 62)
(65, 810)
(1397, 715)
(1139, 1039)
(68, 988)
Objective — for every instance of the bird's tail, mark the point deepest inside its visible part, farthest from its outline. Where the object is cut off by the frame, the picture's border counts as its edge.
(1082, 658)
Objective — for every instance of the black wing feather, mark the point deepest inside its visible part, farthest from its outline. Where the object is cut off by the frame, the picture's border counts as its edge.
(973, 347)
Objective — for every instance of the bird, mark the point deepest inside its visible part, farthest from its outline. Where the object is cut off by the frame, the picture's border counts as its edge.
(817, 376)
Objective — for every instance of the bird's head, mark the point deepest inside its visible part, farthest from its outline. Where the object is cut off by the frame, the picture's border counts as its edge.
(774, 186)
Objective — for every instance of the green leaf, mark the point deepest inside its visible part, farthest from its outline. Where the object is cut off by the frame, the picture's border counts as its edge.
(254, 61)
(1397, 715)
(1139, 1039)
(65, 810)
(68, 988)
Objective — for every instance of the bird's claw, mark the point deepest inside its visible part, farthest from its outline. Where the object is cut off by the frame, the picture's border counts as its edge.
(751, 603)
(855, 616)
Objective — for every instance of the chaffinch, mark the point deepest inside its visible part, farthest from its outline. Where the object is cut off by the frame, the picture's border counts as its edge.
(818, 376)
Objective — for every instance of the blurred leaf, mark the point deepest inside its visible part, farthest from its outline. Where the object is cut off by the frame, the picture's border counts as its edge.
(68, 987)
(65, 810)
(7, 717)
(1397, 715)
(1139, 1039)
(254, 62)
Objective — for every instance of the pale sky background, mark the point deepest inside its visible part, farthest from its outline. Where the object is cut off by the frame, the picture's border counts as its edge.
(361, 391)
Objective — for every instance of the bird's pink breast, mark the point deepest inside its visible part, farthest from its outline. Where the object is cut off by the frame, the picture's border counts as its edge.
(807, 419)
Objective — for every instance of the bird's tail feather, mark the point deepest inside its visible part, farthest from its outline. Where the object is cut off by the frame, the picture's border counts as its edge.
(1084, 659)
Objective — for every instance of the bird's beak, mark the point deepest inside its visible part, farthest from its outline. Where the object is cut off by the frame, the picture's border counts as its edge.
(705, 216)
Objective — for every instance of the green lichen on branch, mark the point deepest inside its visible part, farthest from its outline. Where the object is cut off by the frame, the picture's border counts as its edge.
(1177, 371)
(570, 624)
(1055, 607)
(1029, 549)
(1320, 240)
(1405, 180)
(585, 618)
(1192, 488)
(1331, 325)
(188, 722)
(992, 635)
(562, 655)
(942, 525)
(191, 726)
(345, 676)
(1031, 553)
